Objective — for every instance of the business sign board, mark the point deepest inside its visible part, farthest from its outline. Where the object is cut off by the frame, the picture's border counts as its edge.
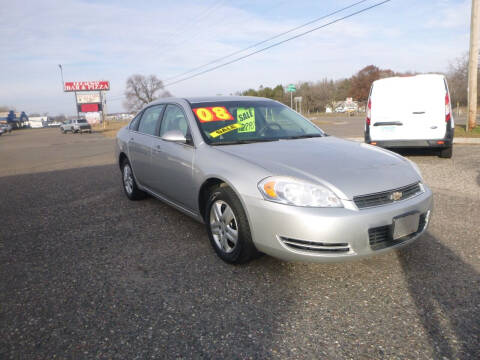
(84, 108)
(88, 97)
(86, 86)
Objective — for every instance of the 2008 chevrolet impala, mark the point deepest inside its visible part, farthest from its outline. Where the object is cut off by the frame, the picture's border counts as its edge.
(264, 179)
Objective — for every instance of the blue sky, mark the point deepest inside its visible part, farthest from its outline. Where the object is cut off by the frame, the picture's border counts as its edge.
(111, 40)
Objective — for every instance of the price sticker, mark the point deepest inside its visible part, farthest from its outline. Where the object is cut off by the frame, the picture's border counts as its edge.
(246, 118)
(214, 113)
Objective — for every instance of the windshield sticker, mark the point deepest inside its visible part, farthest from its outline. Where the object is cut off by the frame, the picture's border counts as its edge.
(224, 130)
(246, 118)
(214, 113)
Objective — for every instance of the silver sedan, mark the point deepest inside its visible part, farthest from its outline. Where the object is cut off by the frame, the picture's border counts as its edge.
(266, 180)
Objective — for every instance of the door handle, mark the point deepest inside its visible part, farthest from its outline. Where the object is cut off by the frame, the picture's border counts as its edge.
(157, 148)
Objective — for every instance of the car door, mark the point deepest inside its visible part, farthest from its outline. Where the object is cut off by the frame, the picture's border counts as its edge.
(140, 143)
(172, 162)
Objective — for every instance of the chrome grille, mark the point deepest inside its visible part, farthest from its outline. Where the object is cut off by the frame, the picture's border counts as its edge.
(386, 197)
(315, 246)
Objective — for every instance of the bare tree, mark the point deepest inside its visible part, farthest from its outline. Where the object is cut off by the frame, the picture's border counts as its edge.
(141, 90)
(457, 77)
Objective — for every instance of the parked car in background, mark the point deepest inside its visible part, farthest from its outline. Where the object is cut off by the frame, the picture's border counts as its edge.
(5, 128)
(410, 112)
(265, 179)
(76, 125)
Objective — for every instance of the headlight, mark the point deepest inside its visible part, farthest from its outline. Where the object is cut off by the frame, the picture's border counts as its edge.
(290, 191)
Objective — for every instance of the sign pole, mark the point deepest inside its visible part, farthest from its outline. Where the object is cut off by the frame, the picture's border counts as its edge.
(76, 105)
(101, 113)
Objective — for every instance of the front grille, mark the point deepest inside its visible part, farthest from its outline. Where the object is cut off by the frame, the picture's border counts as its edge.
(386, 197)
(381, 237)
(317, 247)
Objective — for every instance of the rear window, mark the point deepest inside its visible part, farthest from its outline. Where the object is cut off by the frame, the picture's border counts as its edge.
(417, 93)
(81, 121)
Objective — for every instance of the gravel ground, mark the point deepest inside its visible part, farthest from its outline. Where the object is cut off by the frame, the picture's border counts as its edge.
(85, 273)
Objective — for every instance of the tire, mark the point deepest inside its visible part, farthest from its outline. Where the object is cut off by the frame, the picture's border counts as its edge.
(446, 153)
(229, 232)
(130, 186)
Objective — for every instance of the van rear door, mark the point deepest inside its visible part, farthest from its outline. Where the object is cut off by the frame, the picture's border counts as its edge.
(410, 108)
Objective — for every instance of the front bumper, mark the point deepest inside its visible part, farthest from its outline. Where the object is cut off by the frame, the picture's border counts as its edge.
(439, 143)
(83, 129)
(335, 234)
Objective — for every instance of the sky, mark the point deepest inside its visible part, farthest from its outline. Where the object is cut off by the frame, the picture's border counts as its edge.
(111, 40)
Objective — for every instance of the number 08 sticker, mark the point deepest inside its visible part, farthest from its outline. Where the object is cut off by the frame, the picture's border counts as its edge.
(214, 113)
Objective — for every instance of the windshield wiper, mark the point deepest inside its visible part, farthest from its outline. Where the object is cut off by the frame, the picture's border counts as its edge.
(304, 136)
(243, 141)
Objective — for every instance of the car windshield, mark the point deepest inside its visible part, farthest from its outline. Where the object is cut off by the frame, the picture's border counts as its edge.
(237, 122)
(81, 121)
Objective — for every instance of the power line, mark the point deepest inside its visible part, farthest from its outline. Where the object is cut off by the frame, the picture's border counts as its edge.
(278, 43)
(267, 40)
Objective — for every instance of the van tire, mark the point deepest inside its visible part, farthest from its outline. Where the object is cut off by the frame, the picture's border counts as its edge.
(446, 153)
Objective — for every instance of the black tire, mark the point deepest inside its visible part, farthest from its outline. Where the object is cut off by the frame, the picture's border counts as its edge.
(135, 193)
(446, 153)
(244, 249)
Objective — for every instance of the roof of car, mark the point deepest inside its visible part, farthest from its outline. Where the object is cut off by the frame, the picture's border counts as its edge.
(200, 99)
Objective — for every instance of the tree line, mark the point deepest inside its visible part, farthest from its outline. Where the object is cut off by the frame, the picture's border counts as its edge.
(316, 95)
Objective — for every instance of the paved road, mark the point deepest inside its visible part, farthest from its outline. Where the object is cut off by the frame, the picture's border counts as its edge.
(353, 126)
(85, 273)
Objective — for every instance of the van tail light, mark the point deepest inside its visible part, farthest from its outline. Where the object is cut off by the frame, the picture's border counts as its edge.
(447, 108)
(369, 112)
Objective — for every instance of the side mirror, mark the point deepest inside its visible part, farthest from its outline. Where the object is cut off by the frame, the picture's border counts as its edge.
(174, 136)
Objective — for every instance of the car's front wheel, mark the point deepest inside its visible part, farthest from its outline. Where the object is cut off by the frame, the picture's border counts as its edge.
(129, 184)
(228, 228)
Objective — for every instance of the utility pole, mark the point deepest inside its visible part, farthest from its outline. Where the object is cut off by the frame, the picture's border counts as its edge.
(473, 69)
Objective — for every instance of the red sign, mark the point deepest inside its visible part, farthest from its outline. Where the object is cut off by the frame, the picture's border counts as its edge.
(214, 113)
(86, 85)
(89, 108)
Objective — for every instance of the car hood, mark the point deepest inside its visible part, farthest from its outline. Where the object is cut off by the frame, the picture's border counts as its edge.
(348, 168)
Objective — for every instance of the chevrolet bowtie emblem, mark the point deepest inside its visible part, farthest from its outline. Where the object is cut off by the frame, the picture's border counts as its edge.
(397, 195)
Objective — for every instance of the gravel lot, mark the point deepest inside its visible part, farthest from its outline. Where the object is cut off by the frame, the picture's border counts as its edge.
(85, 273)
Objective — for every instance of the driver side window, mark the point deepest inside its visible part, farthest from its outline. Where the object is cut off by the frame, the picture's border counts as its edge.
(174, 119)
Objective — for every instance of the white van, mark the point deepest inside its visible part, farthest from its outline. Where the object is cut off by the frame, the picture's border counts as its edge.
(410, 112)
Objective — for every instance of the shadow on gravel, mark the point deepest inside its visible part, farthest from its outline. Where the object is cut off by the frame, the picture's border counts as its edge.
(416, 152)
(446, 292)
(86, 273)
